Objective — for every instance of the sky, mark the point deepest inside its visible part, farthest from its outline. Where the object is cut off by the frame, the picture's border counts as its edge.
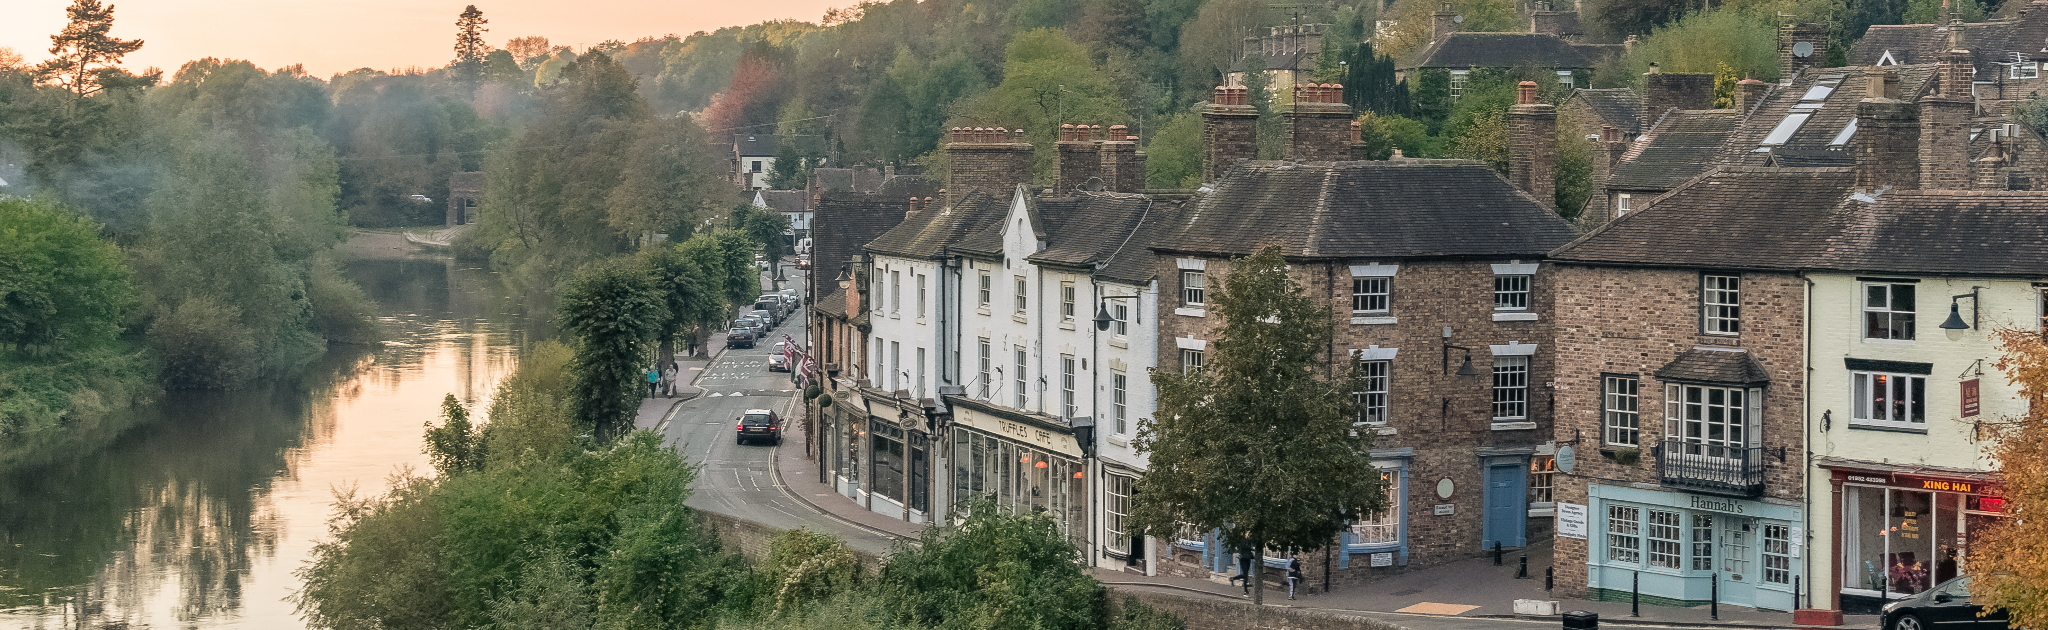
(334, 36)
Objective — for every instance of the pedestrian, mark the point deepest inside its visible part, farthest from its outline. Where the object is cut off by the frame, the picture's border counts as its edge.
(668, 380)
(1245, 554)
(653, 380)
(1293, 576)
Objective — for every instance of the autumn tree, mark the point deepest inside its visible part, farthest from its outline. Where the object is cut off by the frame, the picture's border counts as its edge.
(529, 51)
(1254, 443)
(2007, 559)
(470, 48)
(84, 54)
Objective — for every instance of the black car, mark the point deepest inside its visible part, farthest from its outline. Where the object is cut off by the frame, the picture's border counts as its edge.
(759, 424)
(1945, 606)
(739, 338)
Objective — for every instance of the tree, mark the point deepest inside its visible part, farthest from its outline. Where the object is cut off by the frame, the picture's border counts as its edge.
(60, 285)
(764, 228)
(612, 309)
(529, 51)
(84, 54)
(1370, 83)
(2006, 560)
(1414, 22)
(993, 570)
(470, 48)
(1699, 43)
(1254, 444)
(1174, 156)
(456, 446)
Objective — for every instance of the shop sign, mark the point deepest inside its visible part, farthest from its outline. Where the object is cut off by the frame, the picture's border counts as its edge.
(1446, 509)
(1971, 401)
(1711, 504)
(1383, 559)
(1571, 521)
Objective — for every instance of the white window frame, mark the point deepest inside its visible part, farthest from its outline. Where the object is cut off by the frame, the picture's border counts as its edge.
(895, 365)
(1664, 537)
(1621, 417)
(1894, 316)
(1777, 553)
(1623, 204)
(1692, 421)
(1700, 542)
(1069, 405)
(1864, 388)
(1458, 80)
(1116, 506)
(1119, 319)
(1023, 295)
(1119, 401)
(919, 385)
(1565, 77)
(1510, 388)
(2024, 70)
(1721, 304)
(895, 293)
(1022, 379)
(1067, 296)
(1383, 528)
(1372, 396)
(1511, 292)
(987, 288)
(920, 296)
(1191, 360)
(1194, 287)
(1372, 294)
(984, 362)
(1624, 534)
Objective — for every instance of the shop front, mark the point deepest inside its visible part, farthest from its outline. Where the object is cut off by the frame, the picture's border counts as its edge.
(1687, 549)
(1900, 532)
(1028, 464)
(878, 454)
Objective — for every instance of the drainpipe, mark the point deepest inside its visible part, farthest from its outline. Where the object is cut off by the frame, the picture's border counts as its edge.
(1093, 464)
(1806, 448)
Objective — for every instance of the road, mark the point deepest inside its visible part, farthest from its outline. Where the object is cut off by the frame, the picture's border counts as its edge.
(739, 480)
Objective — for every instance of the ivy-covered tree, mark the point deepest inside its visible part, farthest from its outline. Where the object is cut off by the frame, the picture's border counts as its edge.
(1255, 443)
(612, 309)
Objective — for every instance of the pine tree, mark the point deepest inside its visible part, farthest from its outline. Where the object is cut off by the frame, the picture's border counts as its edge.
(470, 48)
(84, 54)
(1254, 443)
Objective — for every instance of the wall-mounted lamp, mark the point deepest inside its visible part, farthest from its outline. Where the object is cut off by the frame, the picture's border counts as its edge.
(1102, 318)
(1955, 315)
(1464, 369)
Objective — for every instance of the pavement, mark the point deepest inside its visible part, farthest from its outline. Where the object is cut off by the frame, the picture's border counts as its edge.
(780, 486)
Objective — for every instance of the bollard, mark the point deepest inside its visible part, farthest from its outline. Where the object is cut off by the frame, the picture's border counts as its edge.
(1795, 592)
(1549, 577)
(1714, 598)
(1635, 594)
(1581, 620)
(1522, 571)
(1496, 553)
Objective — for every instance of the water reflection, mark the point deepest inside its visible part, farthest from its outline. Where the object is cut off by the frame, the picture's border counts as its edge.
(197, 519)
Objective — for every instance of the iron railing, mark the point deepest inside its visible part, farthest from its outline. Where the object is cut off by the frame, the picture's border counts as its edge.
(1725, 470)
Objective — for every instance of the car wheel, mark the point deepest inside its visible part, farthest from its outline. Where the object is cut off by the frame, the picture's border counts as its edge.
(741, 441)
(1908, 621)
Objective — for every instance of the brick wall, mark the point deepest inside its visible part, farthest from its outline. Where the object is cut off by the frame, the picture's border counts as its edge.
(1792, 34)
(1318, 132)
(1123, 169)
(1532, 149)
(1944, 151)
(1663, 92)
(1631, 321)
(1229, 133)
(1443, 417)
(1887, 144)
(993, 160)
(1078, 160)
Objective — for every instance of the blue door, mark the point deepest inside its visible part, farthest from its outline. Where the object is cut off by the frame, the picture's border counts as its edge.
(1506, 513)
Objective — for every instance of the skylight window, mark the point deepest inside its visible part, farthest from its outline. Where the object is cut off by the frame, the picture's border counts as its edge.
(1786, 128)
(1820, 91)
(1842, 138)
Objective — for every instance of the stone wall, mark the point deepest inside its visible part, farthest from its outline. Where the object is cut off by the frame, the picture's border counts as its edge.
(1632, 321)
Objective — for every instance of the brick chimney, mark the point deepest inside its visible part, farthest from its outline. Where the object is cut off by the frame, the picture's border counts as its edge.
(1230, 131)
(1123, 170)
(1991, 168)
(1607, 151)
(1443, 23)
(1749, 92)
(1078, 160)
(1665, 92)
(1945, 120)
(1318, 127)
(915, 206)
(1887, 138)
(1801, 46)
(1532, 145)
(992, 159)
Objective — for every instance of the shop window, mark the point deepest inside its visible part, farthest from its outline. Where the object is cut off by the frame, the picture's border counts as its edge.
(1620, 412)
(1384, 527)
(1664, 539)
(1116, 505)
(1777, 554)
(1624, 534)
(1542, 479)
(1702, 542)
(1888, 311)
(1895, 400)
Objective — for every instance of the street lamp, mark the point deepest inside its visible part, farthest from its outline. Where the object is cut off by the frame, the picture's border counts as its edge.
(1102, 318)
(1465, 369)
(1955, 315)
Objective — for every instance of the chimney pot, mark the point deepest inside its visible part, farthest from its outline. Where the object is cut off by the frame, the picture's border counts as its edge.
(1525, 93)
(1654, 69)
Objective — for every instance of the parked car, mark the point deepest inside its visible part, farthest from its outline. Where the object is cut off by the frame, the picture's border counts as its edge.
(778, 363)
(773, 302)
(739, 338)
(790, 297)
(1947, 605)
(759, 424)
(755, 324)
(803, 261)
(766, 316)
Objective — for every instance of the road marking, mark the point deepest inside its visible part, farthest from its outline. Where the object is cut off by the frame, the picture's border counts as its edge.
(1433, 608)
(715, 395)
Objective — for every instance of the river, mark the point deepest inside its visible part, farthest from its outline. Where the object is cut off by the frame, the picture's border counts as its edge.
(199, 518)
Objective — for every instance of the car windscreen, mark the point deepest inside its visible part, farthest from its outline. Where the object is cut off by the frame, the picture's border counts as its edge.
(740, 331)
(754, 419)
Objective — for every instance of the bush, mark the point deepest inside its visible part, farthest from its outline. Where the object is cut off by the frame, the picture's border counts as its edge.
(203, 344)
(342, 312)
(993, 571)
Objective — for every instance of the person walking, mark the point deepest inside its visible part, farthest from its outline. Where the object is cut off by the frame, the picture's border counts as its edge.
(653, 380)
(1245, 556)
(668, 380)
(1293, 576)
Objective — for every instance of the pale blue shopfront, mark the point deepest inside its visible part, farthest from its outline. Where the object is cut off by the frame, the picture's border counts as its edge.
(1676, 543)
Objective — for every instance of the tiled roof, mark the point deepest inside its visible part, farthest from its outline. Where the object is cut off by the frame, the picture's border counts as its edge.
(1111, 232)
(929, 233)
(1944, 232)
(903, 186)
(1682, 145)
(786, 200)
(1498, 50)
(1620, 107)
(832, 300)
(1715, 365)
(843, 223)
(1808, 145)
(1390, 209)
(754, 144)
(1991, 44)
(1737, 218)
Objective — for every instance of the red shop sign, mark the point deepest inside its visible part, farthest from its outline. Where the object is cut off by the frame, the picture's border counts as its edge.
(1971, 399)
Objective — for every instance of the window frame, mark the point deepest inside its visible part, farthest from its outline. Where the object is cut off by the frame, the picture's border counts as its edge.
(1504, 296)
(1722, 318)
(1023, 298)
(1069, 403)
(1459, 79)
(1116, 508)
(1368, 292)
(1194, 287)
(1119, 318)
(1191, 361)
(1068, 294)
(1679, 423)
(984, 362)
(1863, 390)
(987, 288)
(1383, 528)
(1894, 318)
(1542, 480)
(1023, 378)
(920, 295)
(1612, 411)
(1623, 204)
(1511, 388)
(1665, 537)
(1365, 398)
(895, 292)
(2024, 70)
(1119, 401)
(1624, 534)
(1700, 541)
(1777, 553)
